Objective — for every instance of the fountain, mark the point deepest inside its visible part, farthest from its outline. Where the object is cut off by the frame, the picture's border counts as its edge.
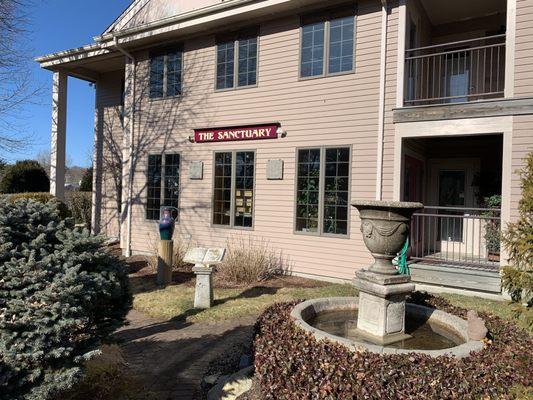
(380, 320)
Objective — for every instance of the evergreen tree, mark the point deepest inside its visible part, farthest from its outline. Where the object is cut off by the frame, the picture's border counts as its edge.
(86, 184)
(23, 177)
(518, 240)
(61, 293)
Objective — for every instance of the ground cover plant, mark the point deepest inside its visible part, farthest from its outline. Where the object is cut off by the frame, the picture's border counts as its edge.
(61, 294)
(291, 364)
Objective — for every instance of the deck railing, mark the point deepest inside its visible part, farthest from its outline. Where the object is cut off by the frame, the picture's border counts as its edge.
(455, 72)
(457, 236)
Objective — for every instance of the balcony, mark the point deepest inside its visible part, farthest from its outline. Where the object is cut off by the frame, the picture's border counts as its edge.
(455, 72)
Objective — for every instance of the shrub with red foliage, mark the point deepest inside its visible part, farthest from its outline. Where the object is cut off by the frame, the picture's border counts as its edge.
(291, 364)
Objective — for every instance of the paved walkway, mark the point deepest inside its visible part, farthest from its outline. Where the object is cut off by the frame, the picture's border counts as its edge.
(173, 356)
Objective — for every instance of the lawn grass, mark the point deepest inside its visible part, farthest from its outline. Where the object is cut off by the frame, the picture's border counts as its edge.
(176, 302)
(503, 309)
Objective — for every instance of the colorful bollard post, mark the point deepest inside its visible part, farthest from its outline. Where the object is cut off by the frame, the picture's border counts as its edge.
(165, 248)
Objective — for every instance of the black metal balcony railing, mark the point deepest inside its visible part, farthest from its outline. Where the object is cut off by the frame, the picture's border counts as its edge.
(457, 236)
(455, 72)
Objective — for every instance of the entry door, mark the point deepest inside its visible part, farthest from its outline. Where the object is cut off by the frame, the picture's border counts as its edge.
(450, 185)
(413, 175)
(458, 77)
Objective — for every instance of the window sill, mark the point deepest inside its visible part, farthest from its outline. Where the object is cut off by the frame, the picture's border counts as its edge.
(158, 99)
(236, 88)
(322, 235)
(309, 78)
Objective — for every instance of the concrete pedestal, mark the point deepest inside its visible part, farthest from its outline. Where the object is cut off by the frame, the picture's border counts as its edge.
(381, 315)
(164, 262)
(203, 296)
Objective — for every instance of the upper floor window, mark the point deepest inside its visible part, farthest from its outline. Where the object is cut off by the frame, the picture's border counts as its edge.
(237, 61)
(166, 74)
(163, 184)
(327, 45)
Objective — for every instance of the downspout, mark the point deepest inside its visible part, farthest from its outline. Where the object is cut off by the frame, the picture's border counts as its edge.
(381, 113)
(131, 137)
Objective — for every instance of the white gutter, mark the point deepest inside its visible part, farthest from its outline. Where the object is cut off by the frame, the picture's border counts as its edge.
(130, 149)
(381, 116)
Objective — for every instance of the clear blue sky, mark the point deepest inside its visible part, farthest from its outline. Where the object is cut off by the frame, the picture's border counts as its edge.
(59, 25)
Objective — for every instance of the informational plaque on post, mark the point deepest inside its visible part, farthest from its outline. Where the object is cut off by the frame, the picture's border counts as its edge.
(201, 255)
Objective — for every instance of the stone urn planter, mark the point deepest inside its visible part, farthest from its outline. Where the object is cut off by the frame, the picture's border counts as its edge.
(385, 227)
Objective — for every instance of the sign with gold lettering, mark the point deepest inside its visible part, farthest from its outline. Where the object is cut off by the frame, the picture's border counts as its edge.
(256, 132)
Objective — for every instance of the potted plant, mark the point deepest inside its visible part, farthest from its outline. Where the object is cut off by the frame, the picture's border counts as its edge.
(493, 228)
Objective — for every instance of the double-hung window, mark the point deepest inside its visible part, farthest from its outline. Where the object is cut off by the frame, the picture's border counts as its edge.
(163, 184)
(166, 68)
(327, 45)
(322, 196)
(236, 61)
(233, 198)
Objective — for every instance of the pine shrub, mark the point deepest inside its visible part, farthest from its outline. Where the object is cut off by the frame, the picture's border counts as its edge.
(518, 240)
(61, 294)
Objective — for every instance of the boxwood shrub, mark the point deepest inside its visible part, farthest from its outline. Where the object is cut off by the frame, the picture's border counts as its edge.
(291, 364)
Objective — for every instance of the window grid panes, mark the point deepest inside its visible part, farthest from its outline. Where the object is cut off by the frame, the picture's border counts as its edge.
(163, 184)
(166, 74)
(312, 50)
(341, 45)
(336, 187)
(308, 193)
(157, 76)
(323, 182)
(247, 62)
(234, 189)
(174, 66)
(172, 181)
(334, 38)
(222, 188)
(244, 189)
(153, 203)
(225, 65)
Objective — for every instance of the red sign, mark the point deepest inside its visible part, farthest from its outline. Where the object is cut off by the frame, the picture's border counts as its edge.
(257, 132)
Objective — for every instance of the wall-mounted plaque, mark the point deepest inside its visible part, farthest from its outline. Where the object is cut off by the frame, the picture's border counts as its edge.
(237, 133)
(275, 170)
(196, 170)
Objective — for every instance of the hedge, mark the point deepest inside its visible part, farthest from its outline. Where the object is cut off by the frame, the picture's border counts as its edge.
(291, 364)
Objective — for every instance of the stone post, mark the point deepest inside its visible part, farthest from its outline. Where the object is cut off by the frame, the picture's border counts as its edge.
(203, 296)
(164, 262)
(59, 133)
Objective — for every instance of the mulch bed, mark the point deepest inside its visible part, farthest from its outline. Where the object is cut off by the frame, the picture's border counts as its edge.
(291, 364)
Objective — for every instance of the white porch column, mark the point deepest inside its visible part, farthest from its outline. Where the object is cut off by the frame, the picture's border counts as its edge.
(59, 133)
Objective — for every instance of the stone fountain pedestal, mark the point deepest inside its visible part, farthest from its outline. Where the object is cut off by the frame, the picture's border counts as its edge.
(385, 228)
(381, 315)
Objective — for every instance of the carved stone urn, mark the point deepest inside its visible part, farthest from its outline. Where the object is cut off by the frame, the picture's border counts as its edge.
(382, 291)
(385, 227)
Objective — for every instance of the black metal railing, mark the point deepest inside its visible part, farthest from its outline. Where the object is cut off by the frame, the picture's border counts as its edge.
(457, 236)
(455, 72)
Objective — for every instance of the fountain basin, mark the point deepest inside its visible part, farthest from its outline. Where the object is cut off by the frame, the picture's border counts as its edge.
(446, 328)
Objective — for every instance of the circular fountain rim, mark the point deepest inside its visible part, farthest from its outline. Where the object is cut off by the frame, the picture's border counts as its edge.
(308, 309)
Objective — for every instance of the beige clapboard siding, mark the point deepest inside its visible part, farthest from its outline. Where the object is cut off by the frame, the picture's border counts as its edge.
(523, 125)
(337, 110)
(109, 127)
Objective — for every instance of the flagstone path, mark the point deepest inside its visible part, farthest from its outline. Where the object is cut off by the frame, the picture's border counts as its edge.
(173, 356)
